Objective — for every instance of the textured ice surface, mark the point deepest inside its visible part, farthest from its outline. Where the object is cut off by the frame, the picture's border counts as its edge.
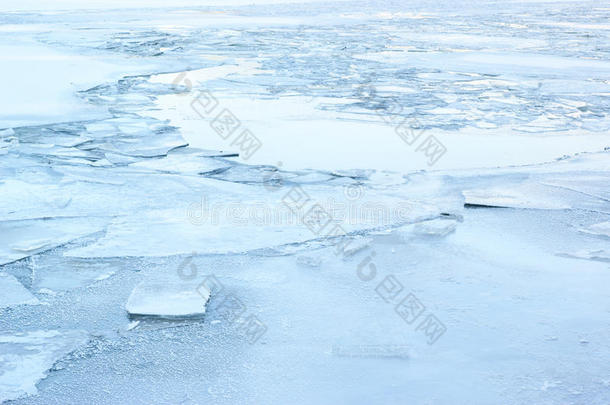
(600, 255)
(206, 225)
(21, 239)
(26, 358)
(109, 178)
(602, 229)
(518, 197)
(56, 274)
(434, 228)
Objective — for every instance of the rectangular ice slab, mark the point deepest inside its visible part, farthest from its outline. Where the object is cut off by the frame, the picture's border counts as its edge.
(26, 357)
(168, 300)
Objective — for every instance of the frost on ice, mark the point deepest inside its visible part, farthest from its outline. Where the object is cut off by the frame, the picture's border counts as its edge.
(168, 300)
(601, 229)
(110, 172)
(26, 357)
(599, 255)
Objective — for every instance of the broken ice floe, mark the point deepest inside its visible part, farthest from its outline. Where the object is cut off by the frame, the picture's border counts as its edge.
(223, 222)
(168, 300)
(57, 273)
(427, 88)
(355, 245)
(14, 293)
(507, 197)
(19, 239)
(572, 182)
(26, 357)
(143, 146)
(184, 161)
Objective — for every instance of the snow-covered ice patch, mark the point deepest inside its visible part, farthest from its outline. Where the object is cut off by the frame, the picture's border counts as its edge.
(26, 357)
(601, 229)
(516, 197)
(598, 255)
(19, 239)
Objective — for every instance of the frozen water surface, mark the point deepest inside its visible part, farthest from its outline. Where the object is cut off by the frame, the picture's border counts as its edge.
(26, 358)
(13, 293)
(148, 255)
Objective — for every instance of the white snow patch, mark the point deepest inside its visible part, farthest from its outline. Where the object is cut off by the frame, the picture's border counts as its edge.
(600, 229)
(517, 197)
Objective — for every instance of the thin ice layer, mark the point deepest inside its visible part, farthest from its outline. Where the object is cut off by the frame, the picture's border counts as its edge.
(26, 357)
(601, 229)
(14, 293)
(168, 300)
(19, 239)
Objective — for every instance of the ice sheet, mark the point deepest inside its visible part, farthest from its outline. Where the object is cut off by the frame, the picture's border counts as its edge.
(109, 179)
(601, 229)
(56, 275)
(14, 293)
(21, 239)
(168, 300)
(26, 358)
(599, 255)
